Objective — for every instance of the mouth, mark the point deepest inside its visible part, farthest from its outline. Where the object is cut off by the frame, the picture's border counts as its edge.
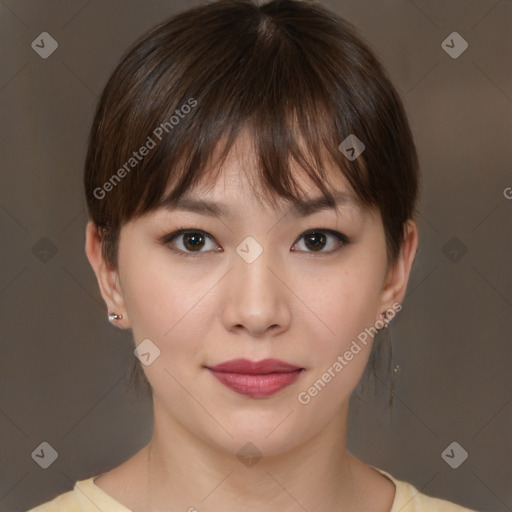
(256, 379)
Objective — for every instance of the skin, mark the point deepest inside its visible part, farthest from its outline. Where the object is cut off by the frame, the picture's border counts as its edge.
(292, 304)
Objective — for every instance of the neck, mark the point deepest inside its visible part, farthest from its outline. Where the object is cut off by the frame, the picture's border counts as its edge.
(189, 473)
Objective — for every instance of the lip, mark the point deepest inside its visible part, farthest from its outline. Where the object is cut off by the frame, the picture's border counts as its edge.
(256, 379)
(254, 367)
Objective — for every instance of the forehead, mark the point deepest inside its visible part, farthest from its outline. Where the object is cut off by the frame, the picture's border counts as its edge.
(236, 182)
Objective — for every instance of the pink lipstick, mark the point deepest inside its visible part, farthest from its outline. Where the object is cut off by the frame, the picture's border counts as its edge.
(256, 379)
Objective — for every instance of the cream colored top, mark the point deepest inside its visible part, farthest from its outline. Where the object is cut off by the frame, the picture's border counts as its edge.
(86, 496)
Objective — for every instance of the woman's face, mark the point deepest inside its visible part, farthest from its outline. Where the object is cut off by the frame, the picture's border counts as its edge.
(254, 285)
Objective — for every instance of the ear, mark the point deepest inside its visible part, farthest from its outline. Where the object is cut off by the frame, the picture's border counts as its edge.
(397, 277)
(107, 276)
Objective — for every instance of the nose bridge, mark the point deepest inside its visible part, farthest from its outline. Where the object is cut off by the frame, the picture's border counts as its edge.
(257, 298)
(252, 272)
(253, 265)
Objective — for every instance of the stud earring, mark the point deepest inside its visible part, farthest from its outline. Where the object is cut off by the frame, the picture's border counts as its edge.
(114, 317)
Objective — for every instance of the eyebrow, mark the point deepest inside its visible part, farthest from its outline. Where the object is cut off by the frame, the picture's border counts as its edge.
(302, 208)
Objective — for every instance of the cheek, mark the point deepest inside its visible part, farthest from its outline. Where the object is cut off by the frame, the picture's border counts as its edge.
(338, 326)
(340, 302)
(165, 306)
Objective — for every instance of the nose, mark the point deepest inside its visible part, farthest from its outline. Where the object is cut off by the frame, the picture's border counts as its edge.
(257, 297)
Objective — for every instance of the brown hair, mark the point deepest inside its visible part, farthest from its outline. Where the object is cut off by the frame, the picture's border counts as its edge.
(291, 71)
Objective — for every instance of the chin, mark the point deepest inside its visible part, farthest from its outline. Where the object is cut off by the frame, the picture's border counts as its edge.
(259, 438)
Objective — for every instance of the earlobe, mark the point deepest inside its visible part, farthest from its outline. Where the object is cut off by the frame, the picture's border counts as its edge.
(106, 275)
(398, 276)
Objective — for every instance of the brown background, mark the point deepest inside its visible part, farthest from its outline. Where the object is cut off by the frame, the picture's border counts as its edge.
(63, 367)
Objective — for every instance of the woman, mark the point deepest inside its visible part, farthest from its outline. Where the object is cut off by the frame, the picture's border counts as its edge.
(251, 182)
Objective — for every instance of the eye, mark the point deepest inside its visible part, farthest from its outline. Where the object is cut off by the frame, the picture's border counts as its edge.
(191, 241)
(316, 240)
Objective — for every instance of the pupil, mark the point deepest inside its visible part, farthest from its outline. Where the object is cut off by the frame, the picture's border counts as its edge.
(319, 237)
(193, 236)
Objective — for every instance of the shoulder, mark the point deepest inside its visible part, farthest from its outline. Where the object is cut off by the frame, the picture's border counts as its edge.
(409, 499)
(86, 496)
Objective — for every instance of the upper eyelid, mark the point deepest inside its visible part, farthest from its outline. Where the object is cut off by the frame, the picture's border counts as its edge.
(182, 231)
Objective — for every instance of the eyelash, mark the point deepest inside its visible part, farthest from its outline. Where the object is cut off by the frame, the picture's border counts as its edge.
(342, 238)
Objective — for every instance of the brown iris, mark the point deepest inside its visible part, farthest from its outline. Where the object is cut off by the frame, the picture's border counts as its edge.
(318, 240)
